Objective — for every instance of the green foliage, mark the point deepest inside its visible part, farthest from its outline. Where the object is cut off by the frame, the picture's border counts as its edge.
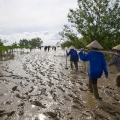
(14, 44)
(81, 43)
(1, 42)
(24, 42)
(34, 42)
(95, 20)
(69, 37)
(108, 57)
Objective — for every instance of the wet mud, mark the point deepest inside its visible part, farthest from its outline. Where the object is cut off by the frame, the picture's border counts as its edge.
(36, 86)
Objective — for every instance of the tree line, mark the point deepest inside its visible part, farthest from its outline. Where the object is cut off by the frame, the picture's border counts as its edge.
(34, 42)
(93, 20)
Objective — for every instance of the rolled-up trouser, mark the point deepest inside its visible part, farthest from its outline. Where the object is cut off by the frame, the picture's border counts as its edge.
(76, 65)
(118, 80)
(71, 64)
(93, 87)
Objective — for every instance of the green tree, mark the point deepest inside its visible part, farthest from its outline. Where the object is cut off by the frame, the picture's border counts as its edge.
(14, 44)
(69, 37)
(1, 42)
(35, 42)
(23, 42)
(97, 20)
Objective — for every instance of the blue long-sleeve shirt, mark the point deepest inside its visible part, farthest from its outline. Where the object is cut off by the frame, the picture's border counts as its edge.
(116, 61)
(97, 63)
(73, 55)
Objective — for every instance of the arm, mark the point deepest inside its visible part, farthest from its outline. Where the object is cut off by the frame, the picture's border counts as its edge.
(67, 53)
(113, 60)
(83, 57)
(105, 67)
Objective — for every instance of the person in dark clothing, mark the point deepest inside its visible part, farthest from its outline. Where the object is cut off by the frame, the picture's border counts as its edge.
(30, 49)
(48, 48)
(54, 48)
(45, 48)
(97, 66)
(40, 47)
(73, 57)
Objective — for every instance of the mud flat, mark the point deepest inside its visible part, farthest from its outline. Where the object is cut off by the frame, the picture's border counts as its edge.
(36, 86)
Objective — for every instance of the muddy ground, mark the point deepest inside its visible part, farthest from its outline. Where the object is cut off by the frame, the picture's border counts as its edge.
(37, 86)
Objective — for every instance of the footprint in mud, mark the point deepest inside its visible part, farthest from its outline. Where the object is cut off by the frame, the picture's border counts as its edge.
(54, 96)
(14, 88)
(98, 116)
(32, 89)
(51, 114)
(25, 97)
(8, 114)
(61, 89)
(37, 103)
(112, 94)
(21, 112)
(72, 96)
(56, 78)
(50, 84)
(109, 87)
(75, 107)
(8, 102)
(78, 104)
(111, 110)
(117, 104)
(43, 91)
(2, 112)
(42, 73)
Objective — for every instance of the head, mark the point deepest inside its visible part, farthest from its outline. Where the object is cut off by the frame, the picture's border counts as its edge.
(94, 45)
(117, 48)
(71, 47)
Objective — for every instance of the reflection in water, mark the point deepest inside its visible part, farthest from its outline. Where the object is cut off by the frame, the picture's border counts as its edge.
(33, 106)
(91, 102)
(41, 117)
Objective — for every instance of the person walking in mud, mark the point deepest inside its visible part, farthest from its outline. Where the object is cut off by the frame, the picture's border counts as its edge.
(116, 61)
(73, 57)
(45, 48)
(30, 49)
(97, 66)
(54, 48)
(40, 47)
(48, 48)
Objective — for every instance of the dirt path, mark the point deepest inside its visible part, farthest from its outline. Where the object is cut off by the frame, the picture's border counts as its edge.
(36, 86)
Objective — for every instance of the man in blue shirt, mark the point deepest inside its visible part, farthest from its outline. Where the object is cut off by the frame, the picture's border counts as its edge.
(97, 66)
(73, 57)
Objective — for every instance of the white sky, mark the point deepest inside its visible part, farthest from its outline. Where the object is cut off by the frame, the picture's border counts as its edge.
(33, 18)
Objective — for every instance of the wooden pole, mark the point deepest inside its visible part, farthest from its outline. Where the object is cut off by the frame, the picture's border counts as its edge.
(106, 52)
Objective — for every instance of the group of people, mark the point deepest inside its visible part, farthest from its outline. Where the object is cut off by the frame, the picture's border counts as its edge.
(48, 48)
(97, 64)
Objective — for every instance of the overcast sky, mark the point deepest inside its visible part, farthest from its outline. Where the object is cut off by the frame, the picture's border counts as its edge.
(33, 18)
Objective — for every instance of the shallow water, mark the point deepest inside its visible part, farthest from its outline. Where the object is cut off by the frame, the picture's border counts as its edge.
(37, 86)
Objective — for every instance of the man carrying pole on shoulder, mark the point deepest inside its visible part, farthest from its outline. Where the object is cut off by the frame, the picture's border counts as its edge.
(97, 66)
